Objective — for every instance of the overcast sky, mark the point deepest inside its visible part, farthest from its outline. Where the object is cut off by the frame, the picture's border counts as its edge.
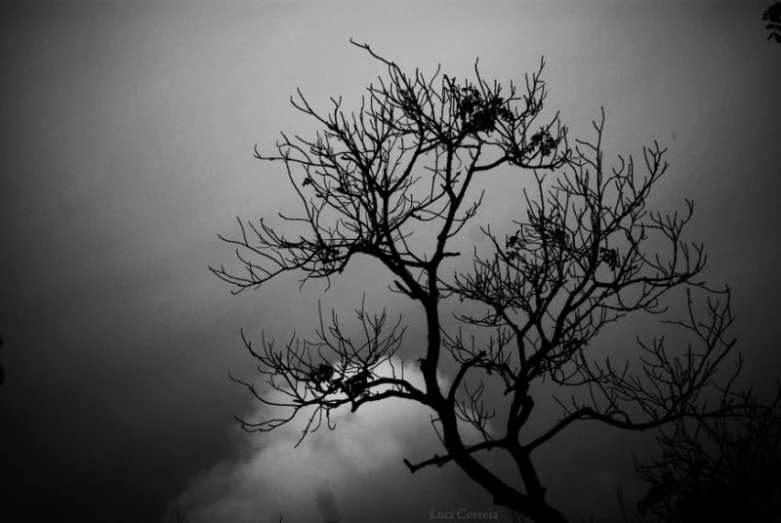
(126, 135)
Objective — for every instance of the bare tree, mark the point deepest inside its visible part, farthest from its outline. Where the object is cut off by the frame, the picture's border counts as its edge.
(720, 470)
(585, 253)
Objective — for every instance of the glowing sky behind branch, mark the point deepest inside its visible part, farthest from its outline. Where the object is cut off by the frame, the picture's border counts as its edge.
(273, 478)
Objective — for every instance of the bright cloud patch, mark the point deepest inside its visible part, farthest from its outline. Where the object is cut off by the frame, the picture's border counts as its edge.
(353, 473)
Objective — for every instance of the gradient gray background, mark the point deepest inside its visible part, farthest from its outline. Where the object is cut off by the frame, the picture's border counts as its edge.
(126, 137)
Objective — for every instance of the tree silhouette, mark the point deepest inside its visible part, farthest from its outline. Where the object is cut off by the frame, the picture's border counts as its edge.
(584, 253)
(772, 15)
(716, 471)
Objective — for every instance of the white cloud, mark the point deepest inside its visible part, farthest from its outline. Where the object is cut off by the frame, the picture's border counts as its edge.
(351, 470)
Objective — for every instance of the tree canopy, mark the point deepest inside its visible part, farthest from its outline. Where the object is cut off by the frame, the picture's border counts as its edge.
(585, 252)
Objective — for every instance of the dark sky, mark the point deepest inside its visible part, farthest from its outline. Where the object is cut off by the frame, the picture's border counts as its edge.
(126, 137)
